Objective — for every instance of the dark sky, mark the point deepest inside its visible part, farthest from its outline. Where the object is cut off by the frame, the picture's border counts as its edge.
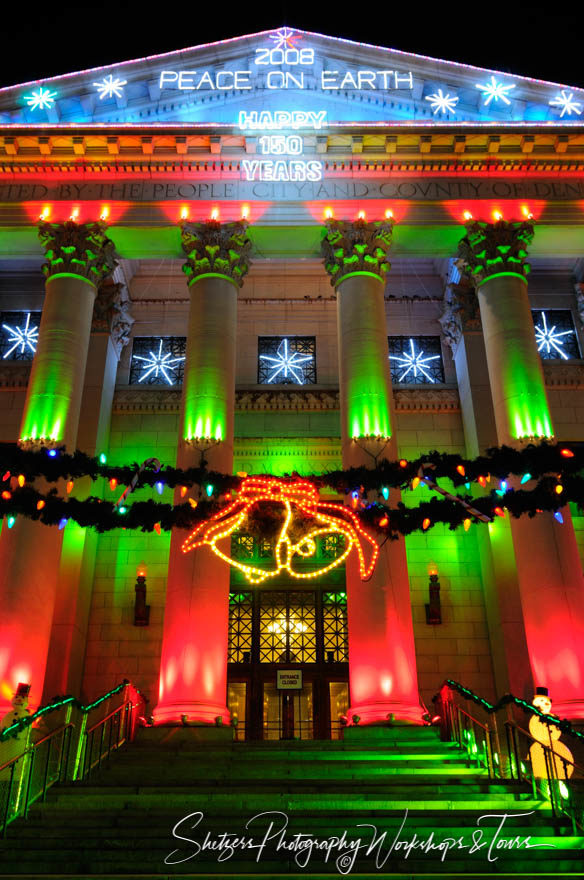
(540, 40)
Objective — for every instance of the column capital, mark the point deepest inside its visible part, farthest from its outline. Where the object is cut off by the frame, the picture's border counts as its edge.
(80, 249)
(490, 249)
(111, 313)
(357, 247)
(461, 313)
(216, 249)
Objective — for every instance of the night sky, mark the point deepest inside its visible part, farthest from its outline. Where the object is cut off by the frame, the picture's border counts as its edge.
(45, 39)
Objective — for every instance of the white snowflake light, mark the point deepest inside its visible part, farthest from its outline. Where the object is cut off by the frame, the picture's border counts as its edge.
(284, 38)
(288, 363)
(495, 90)
(547, 338)
(567, 103)
(415, 361)
(24, 337)
(443, 103)
(42, 99)
(110, 86)
(158, 364)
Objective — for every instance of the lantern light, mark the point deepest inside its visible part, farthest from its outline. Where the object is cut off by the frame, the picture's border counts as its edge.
(214, 213)
(389, 214)
(467, 215)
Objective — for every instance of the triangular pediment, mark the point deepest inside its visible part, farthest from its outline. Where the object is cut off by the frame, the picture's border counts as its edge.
(288, 79)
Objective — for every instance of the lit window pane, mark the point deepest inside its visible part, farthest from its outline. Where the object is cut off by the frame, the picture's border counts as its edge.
(158, 360)
(286, 360)
(415, 360)
(555, 334)
(19, 335)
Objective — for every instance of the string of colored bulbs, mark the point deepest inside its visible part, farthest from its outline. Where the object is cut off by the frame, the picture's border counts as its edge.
(549, 478)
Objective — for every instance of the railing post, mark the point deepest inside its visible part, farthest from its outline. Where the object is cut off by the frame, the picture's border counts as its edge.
(46, 774)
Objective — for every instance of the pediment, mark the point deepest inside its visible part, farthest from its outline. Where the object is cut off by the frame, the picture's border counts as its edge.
(288, 79)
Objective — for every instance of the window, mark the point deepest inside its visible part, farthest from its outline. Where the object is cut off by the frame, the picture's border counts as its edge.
(158, 360)
(19, 336)
(555, 334)
(415, 360)
(286, 360)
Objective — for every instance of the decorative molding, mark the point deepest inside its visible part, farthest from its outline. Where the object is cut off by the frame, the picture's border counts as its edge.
(426, 399)
(357, 247)
(14, 374)
(436, 399)
(111, 313)
(491, 248)
(559, 374)
(78, 248)
(218, 248)
(303, 399)
(461, 313)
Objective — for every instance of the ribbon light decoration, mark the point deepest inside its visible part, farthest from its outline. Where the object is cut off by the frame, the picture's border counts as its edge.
(329, 518)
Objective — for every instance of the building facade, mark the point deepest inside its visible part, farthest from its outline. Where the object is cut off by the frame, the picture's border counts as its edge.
(195, 265)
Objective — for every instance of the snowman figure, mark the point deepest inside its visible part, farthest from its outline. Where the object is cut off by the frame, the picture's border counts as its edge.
(548, 735)
(19, 710)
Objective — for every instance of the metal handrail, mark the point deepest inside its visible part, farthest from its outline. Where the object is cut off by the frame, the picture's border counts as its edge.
(70, 747)
(508, 759)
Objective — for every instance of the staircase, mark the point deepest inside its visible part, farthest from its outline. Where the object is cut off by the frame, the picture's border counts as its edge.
(119, 823)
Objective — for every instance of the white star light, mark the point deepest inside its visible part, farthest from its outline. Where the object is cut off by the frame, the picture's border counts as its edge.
(443, 103)
(287, 362)
(24, 337)
(284, 38)
(547, 338)
(158, 364)
(110, 86)
(495, 90)
(414, 361)
(567, 103)
(42, 99)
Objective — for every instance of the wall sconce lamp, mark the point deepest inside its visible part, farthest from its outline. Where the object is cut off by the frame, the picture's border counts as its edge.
(433, 608)
(141, 609)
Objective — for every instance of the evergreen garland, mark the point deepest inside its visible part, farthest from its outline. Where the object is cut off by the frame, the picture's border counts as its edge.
(549, 467)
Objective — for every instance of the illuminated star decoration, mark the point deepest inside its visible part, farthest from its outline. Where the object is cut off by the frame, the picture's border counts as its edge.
(443, 103)
(547, 338)
(25, 337)
(284, 38)
(567, 103)
(414, 361)
(110, 86)
(495, 90)
(158, 364)
(42, 99)
(287, 362)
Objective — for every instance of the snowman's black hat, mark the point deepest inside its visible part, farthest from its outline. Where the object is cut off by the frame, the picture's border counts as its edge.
(22, 690)
(542, 692)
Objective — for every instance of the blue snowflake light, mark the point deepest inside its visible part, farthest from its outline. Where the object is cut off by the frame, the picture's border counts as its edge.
(287, 365)
(42, 99)
(551, 342)
(566, 101)
(21, 340)
(494, 90)
(413, 366)
(442, 103)
(158, 366)
(284, 38)
(110, 86)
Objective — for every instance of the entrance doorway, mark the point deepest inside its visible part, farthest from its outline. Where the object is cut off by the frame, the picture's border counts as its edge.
(272, 632)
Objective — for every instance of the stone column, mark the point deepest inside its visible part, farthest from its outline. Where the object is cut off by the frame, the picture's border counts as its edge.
(110, 332)
(550, 575)
(462, 328)
(79, 256)
(193, 674)
(382, 659)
